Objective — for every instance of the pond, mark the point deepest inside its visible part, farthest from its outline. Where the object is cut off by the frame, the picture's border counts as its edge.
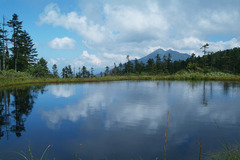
(119, 120)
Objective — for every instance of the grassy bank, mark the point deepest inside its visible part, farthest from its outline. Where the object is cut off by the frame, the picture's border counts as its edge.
(20, 78)
(228, 153)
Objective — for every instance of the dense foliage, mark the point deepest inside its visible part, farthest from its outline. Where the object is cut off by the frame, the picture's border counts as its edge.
(20, 43)
(17, 50)
(227, 61)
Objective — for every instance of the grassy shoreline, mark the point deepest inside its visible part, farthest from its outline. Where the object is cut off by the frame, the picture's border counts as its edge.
(12, 79)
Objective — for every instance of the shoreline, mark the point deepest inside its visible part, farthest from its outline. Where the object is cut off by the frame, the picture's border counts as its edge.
(177, 77)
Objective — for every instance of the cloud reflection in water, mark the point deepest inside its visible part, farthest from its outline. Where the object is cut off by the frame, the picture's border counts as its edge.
(134, 104)
(62, 90)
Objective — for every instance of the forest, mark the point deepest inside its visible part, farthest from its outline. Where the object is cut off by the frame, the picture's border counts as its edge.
(227, 61)
(19, 54)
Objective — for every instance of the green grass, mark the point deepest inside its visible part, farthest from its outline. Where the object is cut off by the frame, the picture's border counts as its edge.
(228, 153)
(10, 78)
(44, 155)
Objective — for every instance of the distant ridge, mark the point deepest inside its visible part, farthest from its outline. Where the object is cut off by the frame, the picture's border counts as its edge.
(175, 55)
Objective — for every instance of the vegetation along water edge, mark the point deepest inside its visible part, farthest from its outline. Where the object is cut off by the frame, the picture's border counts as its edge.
(9, 78)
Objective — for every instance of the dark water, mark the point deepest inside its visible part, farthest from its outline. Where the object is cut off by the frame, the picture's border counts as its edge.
(119, 120)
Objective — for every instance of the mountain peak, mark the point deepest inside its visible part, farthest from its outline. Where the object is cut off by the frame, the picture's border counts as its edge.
(174, 54)
(159, 49)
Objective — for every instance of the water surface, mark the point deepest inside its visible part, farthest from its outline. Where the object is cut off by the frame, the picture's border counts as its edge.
(119, 120)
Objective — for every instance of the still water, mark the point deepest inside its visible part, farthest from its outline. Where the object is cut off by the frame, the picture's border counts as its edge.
(119, 120)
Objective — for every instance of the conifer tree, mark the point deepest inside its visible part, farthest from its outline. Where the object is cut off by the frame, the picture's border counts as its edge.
(16, 26)
(55, 71)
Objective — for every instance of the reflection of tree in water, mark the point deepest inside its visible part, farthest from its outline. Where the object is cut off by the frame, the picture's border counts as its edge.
(204, 99)
(226, 88)
(13, 113)
(1, 120)
(4, 116)
(204, 84)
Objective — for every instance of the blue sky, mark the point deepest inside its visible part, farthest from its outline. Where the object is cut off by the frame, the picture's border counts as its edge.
(98, 33)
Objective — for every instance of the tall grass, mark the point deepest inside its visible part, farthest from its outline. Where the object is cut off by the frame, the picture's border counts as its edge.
(165, 145)
(228, 153)
(44, 155)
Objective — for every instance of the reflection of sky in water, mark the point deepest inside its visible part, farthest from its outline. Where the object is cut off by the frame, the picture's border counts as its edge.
(62, 90)
(123, 105)
(127, 119)
(128, 104)
(130, 112)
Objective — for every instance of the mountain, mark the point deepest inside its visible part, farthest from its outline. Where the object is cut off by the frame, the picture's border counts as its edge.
(175, 55)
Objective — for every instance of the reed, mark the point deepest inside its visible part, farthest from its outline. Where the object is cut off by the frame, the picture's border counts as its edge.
(165, 145)
(228, 153)
(43, 156)
(200, 151)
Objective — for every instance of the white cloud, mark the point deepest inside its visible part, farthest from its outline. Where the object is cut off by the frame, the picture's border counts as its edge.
(62, 43)
(134, 24)
(52, 15)
(189, 44)
(117, 58)
(85, 59)
(92, 59)
(135, 28)
(221, 45)
(52, 61)
(100, 61)
(219, 22)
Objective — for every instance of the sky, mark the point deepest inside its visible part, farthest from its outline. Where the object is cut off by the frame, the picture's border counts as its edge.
(99, 33)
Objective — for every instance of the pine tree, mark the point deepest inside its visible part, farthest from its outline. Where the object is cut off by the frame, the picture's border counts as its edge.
(151, 66)
(26, 52)
(137, 66)
(84, 72)
(78, 74)
(3, 42)
(67, 72)
(91, 74)
(40, 69)
(55, 71)
(120, 67)
(169, 60)
(16, 25)
(158, 64)
(1, 48)
(106, 73)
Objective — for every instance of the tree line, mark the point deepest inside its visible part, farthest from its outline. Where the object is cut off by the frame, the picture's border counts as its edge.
(68, 72)
(23, 58)
(227, 61)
